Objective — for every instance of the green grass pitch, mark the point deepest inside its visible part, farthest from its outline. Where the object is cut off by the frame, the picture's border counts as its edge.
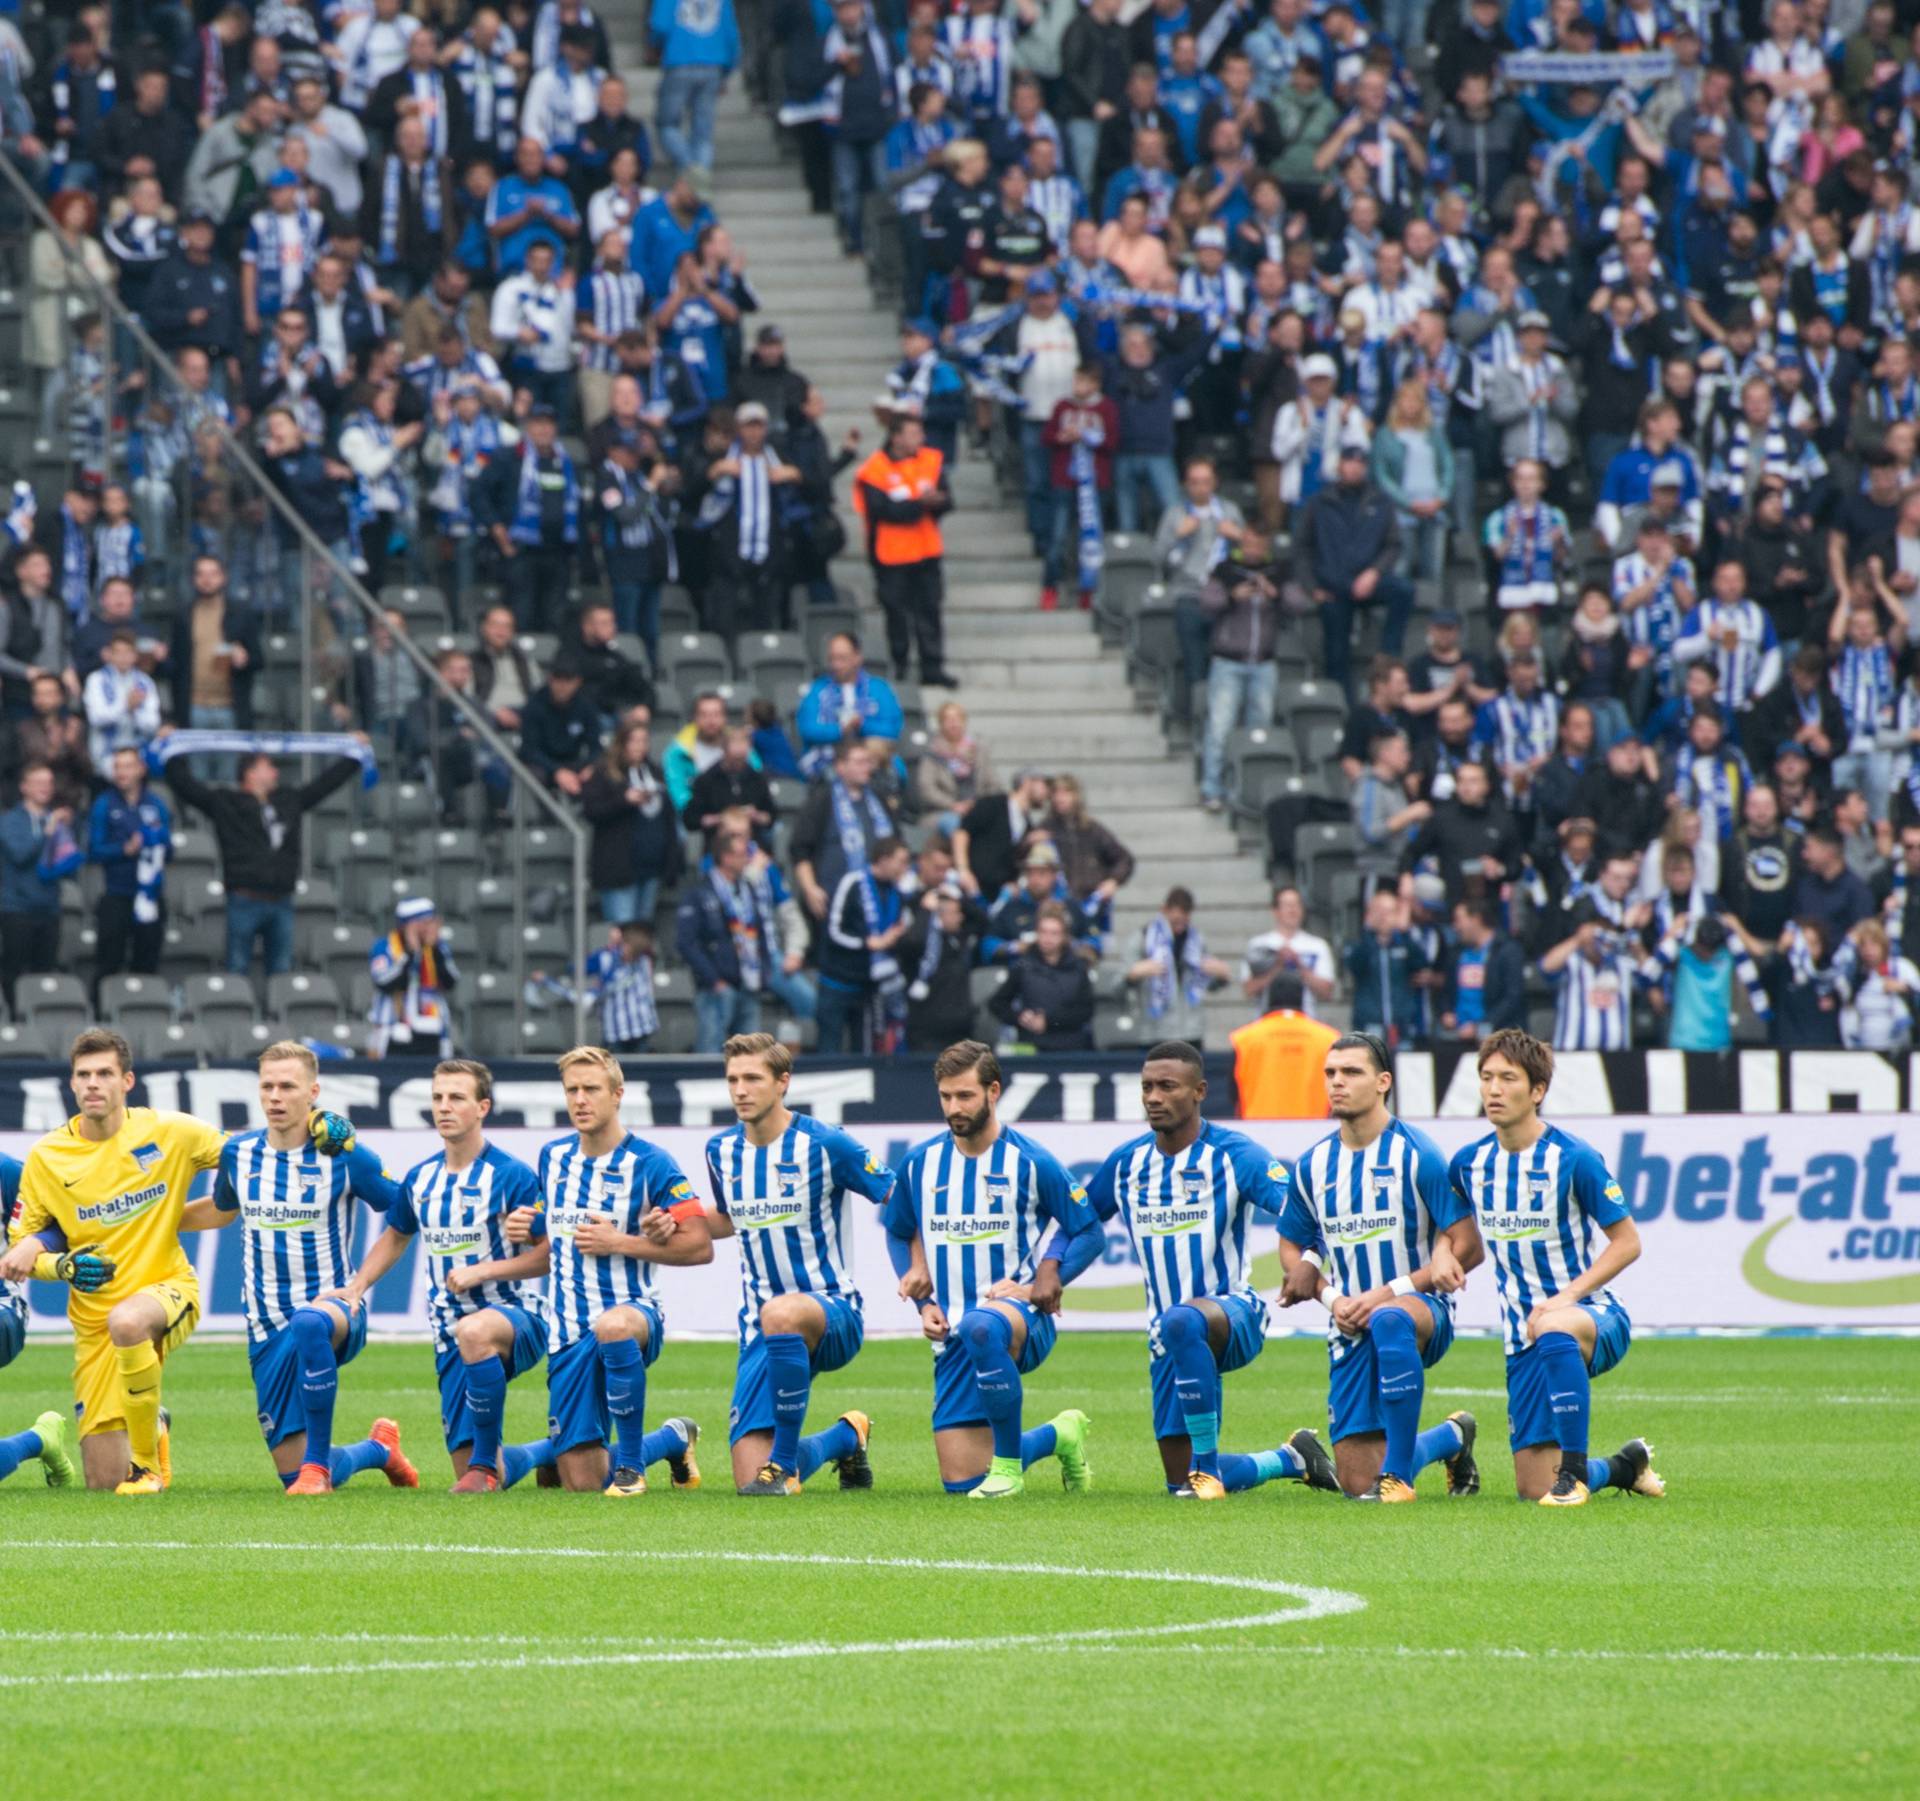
(1753, 1635)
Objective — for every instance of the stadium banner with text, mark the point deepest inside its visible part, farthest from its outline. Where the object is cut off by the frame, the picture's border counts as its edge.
(690, 1091)
(1772, 1222)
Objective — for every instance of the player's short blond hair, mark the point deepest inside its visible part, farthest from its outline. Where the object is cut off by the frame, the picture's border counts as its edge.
(98, 1039)
(289, 1050)
(597, 1056)
(775, 1055)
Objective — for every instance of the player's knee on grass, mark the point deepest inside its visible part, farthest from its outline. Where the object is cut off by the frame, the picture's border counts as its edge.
(132, 1320)
(1534, 1467)
(1357, 1460)
(1575, 1322)
(794, 1314)
(621, 1322)
(482, 1335)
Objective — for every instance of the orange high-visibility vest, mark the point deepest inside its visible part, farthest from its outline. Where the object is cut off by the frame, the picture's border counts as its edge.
(1279, 1067)
(904, 478)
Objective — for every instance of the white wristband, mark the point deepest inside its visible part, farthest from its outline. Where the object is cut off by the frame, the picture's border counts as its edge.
(1312, 1257)
(1402, 1285)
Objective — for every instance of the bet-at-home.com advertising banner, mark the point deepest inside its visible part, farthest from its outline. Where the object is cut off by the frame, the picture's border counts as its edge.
(1770, 1221)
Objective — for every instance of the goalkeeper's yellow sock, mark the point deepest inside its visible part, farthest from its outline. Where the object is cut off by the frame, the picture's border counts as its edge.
(140, 1378)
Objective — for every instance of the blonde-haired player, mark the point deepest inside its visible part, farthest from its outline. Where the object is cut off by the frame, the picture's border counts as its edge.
(113, 1182)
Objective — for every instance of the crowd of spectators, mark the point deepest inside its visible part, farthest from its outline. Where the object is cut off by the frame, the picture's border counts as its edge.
(1596, 321)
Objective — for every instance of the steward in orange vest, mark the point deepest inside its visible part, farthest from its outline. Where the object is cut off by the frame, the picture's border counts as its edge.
(900, 493)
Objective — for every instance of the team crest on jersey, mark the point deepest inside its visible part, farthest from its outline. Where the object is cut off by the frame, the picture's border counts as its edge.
(1076, 1192)
(873, 1164)
(1193, 1183)
(1380, 1185)
(1612, 1192)
(1539, 1186)
(680, 1191)
(146, 1155)
(1276, 1171)
(787, 1176)
(999, 1192)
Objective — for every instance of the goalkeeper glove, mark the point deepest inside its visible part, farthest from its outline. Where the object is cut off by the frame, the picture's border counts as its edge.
(86, 1269)
(332, 1133)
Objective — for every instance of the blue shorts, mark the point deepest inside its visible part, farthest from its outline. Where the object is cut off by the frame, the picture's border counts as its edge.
(956, 1395)
(1246, 1339)
(276, 1377)
(13, 1334)
(752, 1399)
(529, 1346)
(1353, 1384)
(577, 1387)
(1529, 1412)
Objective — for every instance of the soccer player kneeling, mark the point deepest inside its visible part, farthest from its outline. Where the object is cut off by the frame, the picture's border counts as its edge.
(1538, 1193)
(780, 1183)
(605, 1323)
(46, 1439)
(1188, 1192)
(113, 1183)
(985, 1228)
(489, 1324)
(1375, 1195)
(292, 1186)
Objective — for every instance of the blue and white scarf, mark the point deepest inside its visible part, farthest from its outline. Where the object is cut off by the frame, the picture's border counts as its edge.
(1529, 565)
(161, 751)
(1714, 784)
(1221, 299)
(1157, 947)
(546, 33)
(743, 921)
(430, 203)
(470, 447)
(1657, 624)
(1083, 467)
(488, 81)
(527, 509)
(61, 93)
(849, 828)
(1863, 680)
(76, 567)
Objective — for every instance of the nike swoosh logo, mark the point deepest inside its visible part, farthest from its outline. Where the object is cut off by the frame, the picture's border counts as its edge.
(790, 1394)
(65, 1183)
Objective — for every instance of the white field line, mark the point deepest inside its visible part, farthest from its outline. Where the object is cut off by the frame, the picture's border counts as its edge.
(1540, 1654)
(1312, 1603)
(1724, 1397)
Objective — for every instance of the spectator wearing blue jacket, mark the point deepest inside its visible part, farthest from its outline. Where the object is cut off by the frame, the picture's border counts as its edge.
(529, 206)
(939, 387)
(29, 884)
(726, 936)
(699, 46)
(130, 835)
(665, 230)
(848, 702)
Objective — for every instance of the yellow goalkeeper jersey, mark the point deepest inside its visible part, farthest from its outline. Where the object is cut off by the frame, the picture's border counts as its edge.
(123, 1195)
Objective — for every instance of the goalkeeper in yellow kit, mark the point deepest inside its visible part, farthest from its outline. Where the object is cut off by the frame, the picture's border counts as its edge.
(107, 1190)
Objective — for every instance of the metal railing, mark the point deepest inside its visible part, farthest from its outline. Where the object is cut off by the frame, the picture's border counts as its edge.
(127, 414)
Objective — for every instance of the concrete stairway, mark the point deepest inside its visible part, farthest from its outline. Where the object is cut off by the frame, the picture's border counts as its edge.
(1040, 688)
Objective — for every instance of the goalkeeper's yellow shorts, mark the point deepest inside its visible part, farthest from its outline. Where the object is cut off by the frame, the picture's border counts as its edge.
(99, 1401)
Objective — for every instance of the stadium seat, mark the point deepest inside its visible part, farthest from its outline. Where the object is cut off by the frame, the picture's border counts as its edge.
(450, 857)
(772, 662)
(984, 983)
(1121, 594)
(408, 808)
(1320, 851)
(547, 947)
(693, 661)
(821, 624)
(156, 1037)
(418, 606)
(1320, 750)
(127, 1001)
(1151, 644)
(209, 999)
(1303, 705)
(1119, 1026)
(303, 989)
(1258, 760)
(54, 1006)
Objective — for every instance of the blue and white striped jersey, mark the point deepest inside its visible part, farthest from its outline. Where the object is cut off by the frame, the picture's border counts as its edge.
(460, 1218)
(1593, 1002)
(984, 1219)
(13, 1295)
(788, 1204)
(1537, 1209)
(629, 1180)
(1377, 1210)
(296, 1221)
(1188, 1214)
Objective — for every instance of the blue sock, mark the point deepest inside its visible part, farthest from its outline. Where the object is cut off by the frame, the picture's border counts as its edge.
(662, 1441)
(965, 1486)
(487, 1402)
(839, 1440)
(626, 1378)
(1196, 1380)
(1402, 1385)
(1569, 1393)
(1599, 1473)
(1435, 1443)
(1239, 1472)
(319, 1379)
(17, 1450)
(517, 1461)
(1035, 1444)
(988, 1336)
(347, 1461)
(790, 1377)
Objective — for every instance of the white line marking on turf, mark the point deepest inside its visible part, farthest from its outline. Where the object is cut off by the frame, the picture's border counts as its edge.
(1313, 1603)
(1545, 1653)
(1722, 1397)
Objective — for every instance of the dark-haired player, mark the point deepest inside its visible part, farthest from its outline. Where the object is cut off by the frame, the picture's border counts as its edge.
(1375, 1194)
(1188, 1193)
(1539, 1194)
